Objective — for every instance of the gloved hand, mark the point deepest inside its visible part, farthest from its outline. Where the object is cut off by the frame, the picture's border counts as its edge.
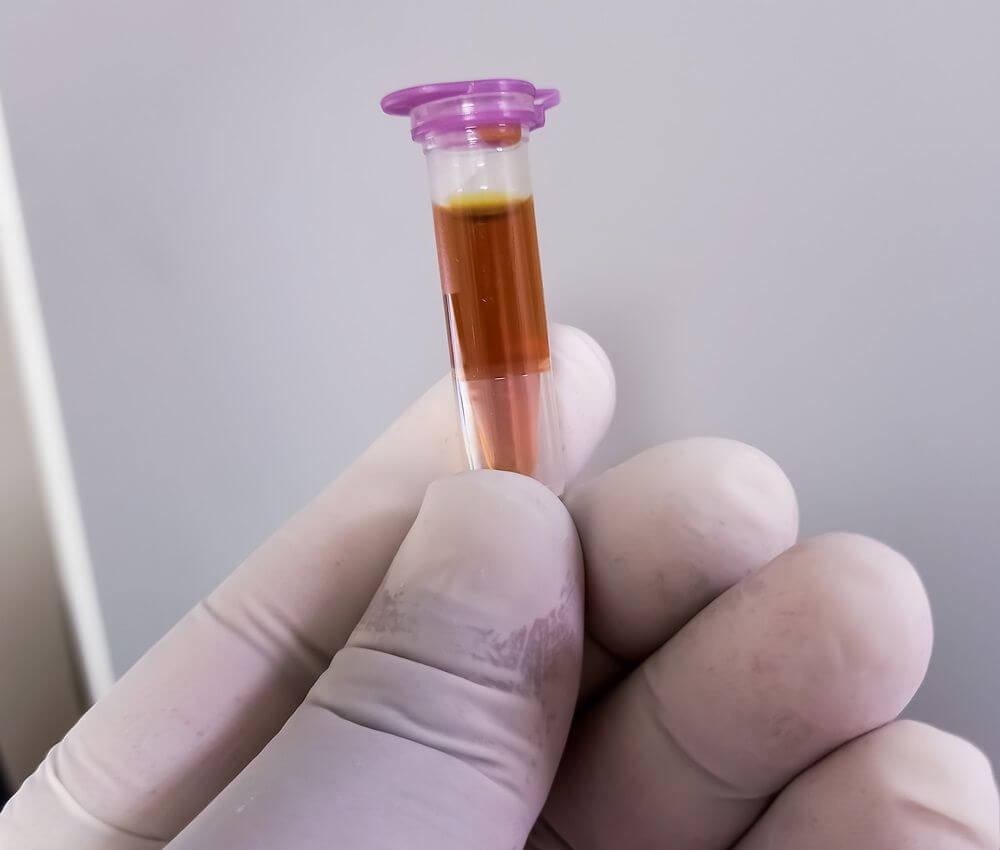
(368, 691)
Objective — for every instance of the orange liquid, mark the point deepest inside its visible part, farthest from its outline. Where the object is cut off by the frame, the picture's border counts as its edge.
(497, 332)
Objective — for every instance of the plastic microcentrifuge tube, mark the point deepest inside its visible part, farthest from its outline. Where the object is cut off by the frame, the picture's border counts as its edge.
(475, 137)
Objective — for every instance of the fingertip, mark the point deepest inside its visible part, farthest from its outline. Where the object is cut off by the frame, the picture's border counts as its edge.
(501, 540)
(960, 784)
(586, 392)
(506, 501)
(571, 342)
(752, 479)
(876, 588)
(670, 529)
(858, 616)
(828, 641)
(904, 784)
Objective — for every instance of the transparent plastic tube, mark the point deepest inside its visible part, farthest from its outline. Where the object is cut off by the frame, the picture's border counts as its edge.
(484, 223)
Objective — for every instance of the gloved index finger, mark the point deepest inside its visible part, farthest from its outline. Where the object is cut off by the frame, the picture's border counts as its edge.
(208, 696)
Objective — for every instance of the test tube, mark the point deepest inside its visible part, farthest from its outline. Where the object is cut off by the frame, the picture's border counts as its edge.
(475, 137)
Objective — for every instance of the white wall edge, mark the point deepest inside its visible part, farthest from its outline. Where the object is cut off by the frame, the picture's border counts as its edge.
(38, 386)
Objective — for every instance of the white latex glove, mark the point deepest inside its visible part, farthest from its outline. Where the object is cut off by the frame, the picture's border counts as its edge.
(722, 671)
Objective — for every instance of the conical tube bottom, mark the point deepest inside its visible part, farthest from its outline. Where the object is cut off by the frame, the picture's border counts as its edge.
(512, 423)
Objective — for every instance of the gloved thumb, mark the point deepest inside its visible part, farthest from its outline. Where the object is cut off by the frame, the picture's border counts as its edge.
(439, 726)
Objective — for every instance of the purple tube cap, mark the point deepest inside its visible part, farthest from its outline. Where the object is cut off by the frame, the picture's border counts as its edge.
(463, 105)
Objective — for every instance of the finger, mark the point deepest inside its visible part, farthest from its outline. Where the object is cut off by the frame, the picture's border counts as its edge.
(666, 532)
(441, 723)
(828, 641)
(905, 785)
(205, 699)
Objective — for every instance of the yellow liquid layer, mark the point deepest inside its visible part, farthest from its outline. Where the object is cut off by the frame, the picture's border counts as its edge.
(481, 201)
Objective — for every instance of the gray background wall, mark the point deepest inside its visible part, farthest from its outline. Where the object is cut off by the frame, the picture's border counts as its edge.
(780, 218)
